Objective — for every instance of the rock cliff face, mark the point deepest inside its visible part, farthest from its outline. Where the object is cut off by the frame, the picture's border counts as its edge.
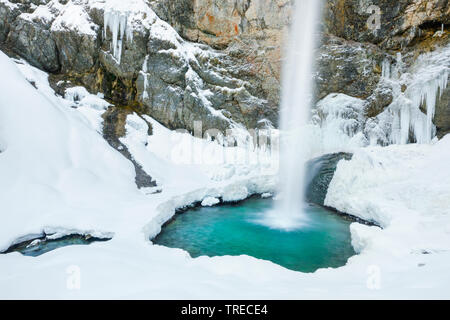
(219, 61)
(252, 32)
(400, 22)
(358, 36)
(150, 68)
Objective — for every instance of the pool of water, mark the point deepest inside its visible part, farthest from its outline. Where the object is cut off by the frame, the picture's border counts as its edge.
(236, 230)
(42, 245)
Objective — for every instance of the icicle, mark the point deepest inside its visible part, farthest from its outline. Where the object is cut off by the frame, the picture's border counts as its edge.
(421, 87)
(145, 75)
(117, 22)
(398, 66)
(405, 121)
(426, 94)
(386, 69)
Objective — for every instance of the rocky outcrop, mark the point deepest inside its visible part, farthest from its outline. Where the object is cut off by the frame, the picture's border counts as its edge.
(250, 33)
(442, 117)
(34, 42)
(389, 24)
(320, 172)
(151, 68)
(348, 67)
(218, 62)
(350, 58)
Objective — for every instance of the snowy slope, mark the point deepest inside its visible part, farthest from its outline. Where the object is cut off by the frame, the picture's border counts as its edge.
(66, 178)
(58, 175)
(404, 188)
(55, 169)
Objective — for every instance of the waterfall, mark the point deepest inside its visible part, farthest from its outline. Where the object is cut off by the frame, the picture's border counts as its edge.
(296, 100)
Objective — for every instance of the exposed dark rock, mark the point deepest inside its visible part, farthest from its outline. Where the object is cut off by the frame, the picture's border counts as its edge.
(348, 67)
(78, 53)
(442, 117)
(33, 42)
(381, 98)
(42, 244)
(400, 21)
(242, 77)
(319, 173)
(113, 128)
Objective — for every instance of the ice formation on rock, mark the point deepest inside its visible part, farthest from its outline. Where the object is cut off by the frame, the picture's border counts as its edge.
(122, 19)
(117, 22)
(417, 89)
(339, 122)
(144, 74)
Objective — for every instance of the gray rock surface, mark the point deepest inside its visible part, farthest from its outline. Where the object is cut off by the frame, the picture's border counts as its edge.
(348, 67)
(442, 117)
(233, 77)
(320, 172)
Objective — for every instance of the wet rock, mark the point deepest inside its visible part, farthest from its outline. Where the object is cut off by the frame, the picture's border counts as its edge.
(442, 116)
(133, 55)
(320, 172)
(113, 128)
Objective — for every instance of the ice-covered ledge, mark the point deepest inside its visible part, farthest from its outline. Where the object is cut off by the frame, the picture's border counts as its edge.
(402, 187)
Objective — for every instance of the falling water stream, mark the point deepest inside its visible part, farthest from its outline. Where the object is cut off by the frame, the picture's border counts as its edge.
(297, 89)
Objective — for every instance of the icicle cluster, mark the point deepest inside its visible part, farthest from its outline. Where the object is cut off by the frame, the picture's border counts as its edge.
(117, 22)
(415, 91)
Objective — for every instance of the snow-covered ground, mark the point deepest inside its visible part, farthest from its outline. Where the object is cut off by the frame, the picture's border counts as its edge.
(59, 175)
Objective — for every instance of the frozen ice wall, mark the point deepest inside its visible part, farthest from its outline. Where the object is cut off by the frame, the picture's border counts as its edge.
(117, 22)
(416, 92)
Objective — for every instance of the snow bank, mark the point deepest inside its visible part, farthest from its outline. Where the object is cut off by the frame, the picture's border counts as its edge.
(210, 201)
(66, 178)
(73, 17)
(56, 170)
